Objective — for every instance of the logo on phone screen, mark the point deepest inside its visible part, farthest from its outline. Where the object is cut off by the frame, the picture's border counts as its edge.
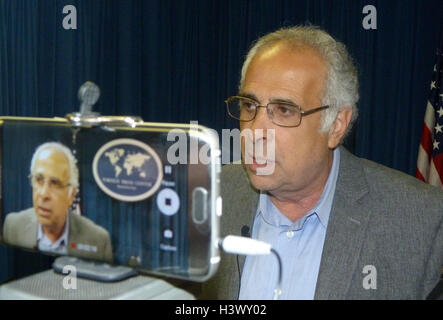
(127, 169)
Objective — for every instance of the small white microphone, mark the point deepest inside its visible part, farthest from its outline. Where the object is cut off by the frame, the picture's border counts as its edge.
(248, 246)
(245, 246)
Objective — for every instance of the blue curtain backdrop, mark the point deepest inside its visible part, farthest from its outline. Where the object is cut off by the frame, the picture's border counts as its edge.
(176, 61)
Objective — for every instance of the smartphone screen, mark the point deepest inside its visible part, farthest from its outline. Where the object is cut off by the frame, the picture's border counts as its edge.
(131, 202)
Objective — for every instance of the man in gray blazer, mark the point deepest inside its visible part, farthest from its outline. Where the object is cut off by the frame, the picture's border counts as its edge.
(50, 225)
(345, 227)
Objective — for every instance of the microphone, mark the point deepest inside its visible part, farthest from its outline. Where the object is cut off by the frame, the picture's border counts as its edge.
(88, 95)
(245, 231)
(245, 246)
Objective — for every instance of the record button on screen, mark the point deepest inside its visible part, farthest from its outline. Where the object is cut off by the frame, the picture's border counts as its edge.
(168, 202)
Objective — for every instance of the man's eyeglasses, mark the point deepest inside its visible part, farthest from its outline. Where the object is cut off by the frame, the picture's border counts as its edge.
(54, 184)
(280, 113)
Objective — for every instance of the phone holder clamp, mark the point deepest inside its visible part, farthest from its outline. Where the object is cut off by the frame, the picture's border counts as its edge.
(88, 95)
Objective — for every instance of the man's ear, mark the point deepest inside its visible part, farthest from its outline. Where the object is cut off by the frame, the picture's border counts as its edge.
(72, 193)
(339, 127)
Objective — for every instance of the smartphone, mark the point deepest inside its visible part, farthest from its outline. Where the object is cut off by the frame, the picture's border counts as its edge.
(138, 194)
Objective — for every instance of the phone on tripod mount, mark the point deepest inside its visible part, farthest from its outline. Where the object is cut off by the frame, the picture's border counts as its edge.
(147, 194)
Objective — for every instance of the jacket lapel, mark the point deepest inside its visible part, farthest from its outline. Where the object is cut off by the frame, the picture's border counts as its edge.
(239, 208)
(76, 237)
(346, 230)
(30, 231)
(247, 216)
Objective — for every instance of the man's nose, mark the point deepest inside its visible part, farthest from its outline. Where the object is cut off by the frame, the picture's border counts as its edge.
(261, 120)
(44, 190)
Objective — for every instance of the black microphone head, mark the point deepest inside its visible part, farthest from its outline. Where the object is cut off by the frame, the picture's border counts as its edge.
(245, 231)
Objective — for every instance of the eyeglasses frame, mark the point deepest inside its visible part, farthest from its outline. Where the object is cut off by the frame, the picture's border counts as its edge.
(63, 186)
(299, 109)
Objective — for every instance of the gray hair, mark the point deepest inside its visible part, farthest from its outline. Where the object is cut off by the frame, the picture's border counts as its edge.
(73, 170)
(342, 80)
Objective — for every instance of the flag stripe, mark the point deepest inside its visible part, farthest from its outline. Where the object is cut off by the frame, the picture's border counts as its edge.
(430, 115)
(437, 161)
(419, 175)
(422, 164)
(434, 177)
(426, 140)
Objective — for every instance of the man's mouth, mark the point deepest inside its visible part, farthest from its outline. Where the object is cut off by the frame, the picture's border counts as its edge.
(44, 212)
(258, 162)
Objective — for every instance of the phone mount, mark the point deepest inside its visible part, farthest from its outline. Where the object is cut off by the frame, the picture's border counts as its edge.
(97, 271)
(88, 94)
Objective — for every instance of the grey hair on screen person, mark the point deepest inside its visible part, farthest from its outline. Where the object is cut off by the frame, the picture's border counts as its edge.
(73, 169)
(342, 80)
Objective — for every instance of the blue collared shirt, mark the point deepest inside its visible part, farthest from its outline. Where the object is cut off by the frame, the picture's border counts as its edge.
(300, 245)
(59, 246)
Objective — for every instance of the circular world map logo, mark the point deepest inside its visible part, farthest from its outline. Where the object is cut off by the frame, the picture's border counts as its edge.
(127, 170)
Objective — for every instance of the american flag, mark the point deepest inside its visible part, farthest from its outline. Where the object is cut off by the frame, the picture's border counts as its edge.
(430, 153)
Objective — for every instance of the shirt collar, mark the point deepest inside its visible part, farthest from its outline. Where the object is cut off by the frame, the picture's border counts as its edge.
(322, 209)
(60, 242)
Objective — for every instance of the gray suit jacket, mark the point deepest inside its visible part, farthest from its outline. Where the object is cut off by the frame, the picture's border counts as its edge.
(380, 217)
(20, 229)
